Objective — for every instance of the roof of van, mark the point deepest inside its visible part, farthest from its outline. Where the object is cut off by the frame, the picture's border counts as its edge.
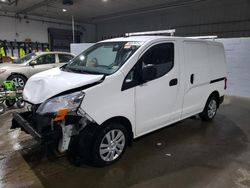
(152, 37)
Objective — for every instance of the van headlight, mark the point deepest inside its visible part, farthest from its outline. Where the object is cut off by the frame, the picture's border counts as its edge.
(65, 103)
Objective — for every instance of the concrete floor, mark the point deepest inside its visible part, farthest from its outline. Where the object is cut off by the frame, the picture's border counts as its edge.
(188, 154)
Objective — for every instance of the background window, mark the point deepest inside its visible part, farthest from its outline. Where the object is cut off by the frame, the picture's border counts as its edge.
(161, 56)
(46, 59)
(64, 58)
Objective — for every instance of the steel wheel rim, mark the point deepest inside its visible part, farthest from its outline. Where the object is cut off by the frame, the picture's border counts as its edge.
(112, 145)
(212, 108)
(18, 82)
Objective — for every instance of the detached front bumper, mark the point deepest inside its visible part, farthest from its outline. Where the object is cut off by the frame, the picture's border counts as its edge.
(39, 128)
(18, 121)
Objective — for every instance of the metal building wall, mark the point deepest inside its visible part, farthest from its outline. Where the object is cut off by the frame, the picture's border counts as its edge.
(226, 18)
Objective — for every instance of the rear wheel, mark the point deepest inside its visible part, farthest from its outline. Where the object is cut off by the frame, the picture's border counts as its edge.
(210, 109)
(18, 80)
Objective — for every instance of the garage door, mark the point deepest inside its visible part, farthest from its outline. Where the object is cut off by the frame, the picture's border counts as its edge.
(60, 39)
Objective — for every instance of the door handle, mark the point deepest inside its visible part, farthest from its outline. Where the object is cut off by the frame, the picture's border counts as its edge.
(173, 82)
(192, 79)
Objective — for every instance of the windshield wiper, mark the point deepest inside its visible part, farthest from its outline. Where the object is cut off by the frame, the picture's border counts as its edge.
(68, 69)
(64, 68)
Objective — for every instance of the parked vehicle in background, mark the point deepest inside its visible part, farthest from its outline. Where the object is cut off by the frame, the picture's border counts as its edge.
(121, 89)
(21, 69)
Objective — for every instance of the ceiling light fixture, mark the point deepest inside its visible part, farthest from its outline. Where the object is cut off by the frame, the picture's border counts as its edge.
(3, 1)
(64, 10)
(104, 1)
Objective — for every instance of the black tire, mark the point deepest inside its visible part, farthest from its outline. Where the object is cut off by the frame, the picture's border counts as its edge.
(20, 103)
(96, 158)
(2, 109)
(19, 80)
(10, 102)
(210, 109)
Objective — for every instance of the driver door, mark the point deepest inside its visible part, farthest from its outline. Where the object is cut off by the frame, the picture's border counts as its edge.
(156, 99)
(43, 62)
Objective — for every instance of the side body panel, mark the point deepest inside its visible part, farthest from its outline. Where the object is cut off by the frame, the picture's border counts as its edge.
(106, 100)
(204, 62)
(158, 103)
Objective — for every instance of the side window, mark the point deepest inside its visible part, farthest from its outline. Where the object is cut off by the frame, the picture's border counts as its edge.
(130, 80)
(64, 58)
(46, 59)
(161, 56)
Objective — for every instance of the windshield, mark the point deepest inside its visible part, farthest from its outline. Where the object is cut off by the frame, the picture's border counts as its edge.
(25, 59)
(103, 58)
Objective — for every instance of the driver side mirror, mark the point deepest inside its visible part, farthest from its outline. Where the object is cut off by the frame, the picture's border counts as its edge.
(148, 73)
(32, 63)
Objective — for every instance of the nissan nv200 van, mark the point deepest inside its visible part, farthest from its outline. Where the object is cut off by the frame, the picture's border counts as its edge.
(121, 89)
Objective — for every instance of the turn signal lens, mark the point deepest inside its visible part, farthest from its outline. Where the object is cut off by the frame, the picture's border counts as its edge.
(60, 115)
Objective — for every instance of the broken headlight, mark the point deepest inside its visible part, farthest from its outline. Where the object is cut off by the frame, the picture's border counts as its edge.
(68, 102)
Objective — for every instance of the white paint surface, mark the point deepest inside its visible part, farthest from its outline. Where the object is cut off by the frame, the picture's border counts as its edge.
(39, 87)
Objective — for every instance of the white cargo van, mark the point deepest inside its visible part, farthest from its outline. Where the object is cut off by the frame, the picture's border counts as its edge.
(121, 89)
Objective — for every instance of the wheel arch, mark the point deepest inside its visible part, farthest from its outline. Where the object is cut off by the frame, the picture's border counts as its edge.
(124, 121)
(16, 73)
(217, 95)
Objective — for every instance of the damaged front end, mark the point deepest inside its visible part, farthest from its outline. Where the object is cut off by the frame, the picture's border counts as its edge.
(55, 121)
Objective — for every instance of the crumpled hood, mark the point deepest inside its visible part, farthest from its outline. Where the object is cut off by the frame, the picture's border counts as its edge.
(47, 84)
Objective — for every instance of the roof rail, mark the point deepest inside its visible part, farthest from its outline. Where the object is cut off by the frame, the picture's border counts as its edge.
(161, 32)
(205, 37)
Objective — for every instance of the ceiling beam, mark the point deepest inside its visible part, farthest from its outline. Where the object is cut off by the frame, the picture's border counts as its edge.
(164, 6)
(36, 6)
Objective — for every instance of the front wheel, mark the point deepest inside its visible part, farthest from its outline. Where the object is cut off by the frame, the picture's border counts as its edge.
(210, 109)
(109, 144)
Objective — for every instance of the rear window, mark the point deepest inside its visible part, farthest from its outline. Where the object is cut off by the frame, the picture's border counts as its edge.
(64, 58)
